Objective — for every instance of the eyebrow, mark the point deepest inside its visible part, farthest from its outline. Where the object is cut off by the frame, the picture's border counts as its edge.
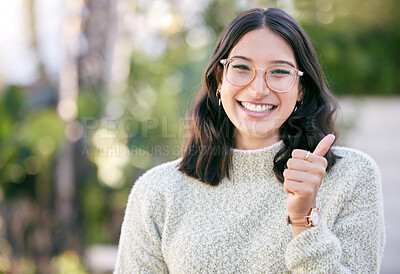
(273, 62)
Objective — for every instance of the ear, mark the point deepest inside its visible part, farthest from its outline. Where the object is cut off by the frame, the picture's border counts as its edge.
(300, 95)
(219, 74)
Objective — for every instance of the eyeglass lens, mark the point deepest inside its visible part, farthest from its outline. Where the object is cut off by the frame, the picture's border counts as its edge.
(241, 72)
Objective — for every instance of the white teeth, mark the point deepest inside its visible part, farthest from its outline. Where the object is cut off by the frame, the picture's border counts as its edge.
(257, 108)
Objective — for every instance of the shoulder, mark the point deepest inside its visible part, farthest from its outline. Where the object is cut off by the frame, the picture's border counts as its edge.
(160, 179)
(165, 170)
(355, 163)
(354, 157)
(355, 178)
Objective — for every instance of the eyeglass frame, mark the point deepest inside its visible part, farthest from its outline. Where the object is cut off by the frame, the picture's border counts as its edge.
(225, 63)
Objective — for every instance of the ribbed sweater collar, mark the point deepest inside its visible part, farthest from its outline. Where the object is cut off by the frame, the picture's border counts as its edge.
(253, 164)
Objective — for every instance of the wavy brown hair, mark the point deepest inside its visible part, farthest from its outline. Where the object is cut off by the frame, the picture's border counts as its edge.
(207, 152)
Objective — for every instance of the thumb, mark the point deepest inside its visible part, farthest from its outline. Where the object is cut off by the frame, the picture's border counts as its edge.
(324, 145)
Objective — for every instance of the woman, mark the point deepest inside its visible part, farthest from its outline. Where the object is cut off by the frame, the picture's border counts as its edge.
(259, 187)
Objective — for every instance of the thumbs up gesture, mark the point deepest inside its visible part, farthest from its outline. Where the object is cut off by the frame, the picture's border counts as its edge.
(303, 177)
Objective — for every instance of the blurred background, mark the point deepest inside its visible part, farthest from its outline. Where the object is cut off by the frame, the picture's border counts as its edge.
(94, 92)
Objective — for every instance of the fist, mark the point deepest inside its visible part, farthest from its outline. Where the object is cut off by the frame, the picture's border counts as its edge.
(303, 176)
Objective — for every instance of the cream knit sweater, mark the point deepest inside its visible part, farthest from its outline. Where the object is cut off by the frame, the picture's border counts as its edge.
(177, 224)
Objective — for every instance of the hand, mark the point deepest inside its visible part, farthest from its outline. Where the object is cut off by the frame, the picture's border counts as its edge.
(303, 177)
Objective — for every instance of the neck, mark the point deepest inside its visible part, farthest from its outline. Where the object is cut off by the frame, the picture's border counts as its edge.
(248, 165)
(251, 143)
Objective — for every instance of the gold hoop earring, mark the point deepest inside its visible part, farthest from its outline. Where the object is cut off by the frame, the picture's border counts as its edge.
(218, 94)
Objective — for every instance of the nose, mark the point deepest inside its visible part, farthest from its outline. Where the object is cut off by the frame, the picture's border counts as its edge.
(258, 87)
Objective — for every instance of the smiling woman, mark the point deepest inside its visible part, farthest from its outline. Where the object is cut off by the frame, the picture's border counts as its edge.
(274, 92)
(259, 187)
(300, 113)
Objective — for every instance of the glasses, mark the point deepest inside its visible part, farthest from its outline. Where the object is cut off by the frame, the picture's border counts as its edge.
(240, 72)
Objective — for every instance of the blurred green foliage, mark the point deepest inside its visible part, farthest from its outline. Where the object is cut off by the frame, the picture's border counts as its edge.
(29, 141)
(358, 44)
(359, 62)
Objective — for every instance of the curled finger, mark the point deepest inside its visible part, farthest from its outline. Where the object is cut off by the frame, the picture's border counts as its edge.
(300, 176)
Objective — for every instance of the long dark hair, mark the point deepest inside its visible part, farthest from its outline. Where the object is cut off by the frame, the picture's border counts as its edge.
(207, 152)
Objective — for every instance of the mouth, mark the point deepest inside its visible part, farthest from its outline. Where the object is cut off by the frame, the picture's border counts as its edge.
(258, 108)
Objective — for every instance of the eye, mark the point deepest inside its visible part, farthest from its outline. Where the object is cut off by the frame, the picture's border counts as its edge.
(280, 72)
(241, 67)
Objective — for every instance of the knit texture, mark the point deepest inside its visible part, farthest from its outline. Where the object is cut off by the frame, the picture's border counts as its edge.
(174, 223)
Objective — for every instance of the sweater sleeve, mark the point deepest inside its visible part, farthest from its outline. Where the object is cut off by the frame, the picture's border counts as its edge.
(139, 249)
(355, 241)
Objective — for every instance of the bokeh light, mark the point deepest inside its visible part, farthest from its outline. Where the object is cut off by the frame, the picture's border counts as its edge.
(110, 155)
(33, 165)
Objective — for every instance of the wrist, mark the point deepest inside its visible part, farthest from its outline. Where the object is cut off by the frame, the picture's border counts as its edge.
(312, 218)
(296, 230)
(300, 214)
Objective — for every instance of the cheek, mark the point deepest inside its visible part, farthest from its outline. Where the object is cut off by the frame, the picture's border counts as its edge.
(228, 102)
(288, 99)
(228, 92)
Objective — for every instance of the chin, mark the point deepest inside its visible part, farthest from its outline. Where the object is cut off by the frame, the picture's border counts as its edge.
(263, 134)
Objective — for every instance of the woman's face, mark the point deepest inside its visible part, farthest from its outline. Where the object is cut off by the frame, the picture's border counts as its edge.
(258, 128)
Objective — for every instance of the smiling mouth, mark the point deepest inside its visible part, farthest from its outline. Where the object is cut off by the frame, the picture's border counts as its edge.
(256, 107)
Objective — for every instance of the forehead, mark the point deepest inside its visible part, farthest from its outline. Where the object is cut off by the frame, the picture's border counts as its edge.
(263, 46)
